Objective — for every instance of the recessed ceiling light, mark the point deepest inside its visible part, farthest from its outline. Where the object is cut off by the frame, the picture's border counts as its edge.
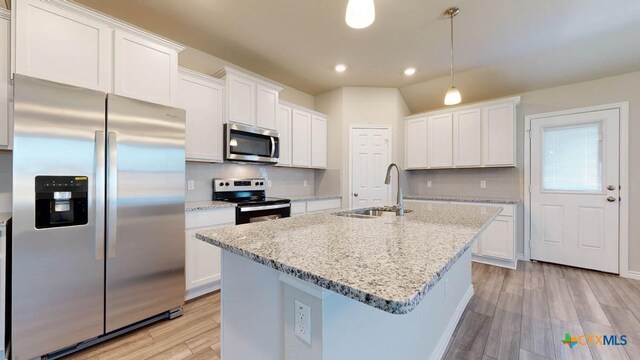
(409, 71)
(341, 68)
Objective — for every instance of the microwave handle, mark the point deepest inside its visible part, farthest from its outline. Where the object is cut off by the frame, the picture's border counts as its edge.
(273, 146)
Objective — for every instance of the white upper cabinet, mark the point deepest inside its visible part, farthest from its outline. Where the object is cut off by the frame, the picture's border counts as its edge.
(416, 143)
(61, 41)
(266, 106)
(62, 45)
(499, 130)
(5, 60)
(440, 140)
(477, 135)
(201, 96)
(318, 142)
(249, 100)
(145, 70)
(301, 138)
(283, 126)
(467, 138)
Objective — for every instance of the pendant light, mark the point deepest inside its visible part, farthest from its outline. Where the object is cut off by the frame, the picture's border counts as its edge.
(360, 13)
(453, 96)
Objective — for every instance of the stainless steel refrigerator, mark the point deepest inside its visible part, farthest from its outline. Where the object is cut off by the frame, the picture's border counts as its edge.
(98, 216)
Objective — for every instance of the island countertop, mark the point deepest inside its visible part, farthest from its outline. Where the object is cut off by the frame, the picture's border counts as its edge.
(388, 262)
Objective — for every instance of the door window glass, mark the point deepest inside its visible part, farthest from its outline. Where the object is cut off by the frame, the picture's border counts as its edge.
(571, 158)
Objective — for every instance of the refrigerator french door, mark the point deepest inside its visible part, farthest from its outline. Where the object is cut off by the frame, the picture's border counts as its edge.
(98, 215)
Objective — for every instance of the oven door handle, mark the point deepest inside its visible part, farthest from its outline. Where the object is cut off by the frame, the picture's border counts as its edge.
(273, 146)
(266, 207)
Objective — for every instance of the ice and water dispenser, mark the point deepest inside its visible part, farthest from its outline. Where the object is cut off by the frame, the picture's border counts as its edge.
(61, 201)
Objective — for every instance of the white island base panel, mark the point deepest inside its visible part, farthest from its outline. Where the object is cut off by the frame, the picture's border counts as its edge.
(258, 317)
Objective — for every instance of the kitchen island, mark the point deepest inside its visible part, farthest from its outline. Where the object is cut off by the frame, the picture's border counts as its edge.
(377, 287)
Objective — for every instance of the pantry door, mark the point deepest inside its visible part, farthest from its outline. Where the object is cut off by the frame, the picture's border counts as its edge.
(370, 155)
(575, 190)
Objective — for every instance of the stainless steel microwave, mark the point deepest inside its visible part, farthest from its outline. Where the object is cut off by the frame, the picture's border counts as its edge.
(251, 144)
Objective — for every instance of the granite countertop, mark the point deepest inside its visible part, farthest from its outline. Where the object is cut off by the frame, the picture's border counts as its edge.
(206, 205)
(463, 199)
(389, 262)
(310, 197)
(4, 217)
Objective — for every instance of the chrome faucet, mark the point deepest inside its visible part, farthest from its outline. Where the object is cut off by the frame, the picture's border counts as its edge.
(387, 180)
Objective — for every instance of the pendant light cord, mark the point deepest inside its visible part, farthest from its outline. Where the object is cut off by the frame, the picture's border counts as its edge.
(452, 82)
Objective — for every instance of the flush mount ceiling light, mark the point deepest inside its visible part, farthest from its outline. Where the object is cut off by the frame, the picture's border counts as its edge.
(453, 96)
(360, 13)
(409, 71)
(341, 68)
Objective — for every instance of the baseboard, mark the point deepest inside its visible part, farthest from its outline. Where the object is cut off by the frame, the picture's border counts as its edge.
(439, 351)
(202, 290)
(635, 275)
(495, 262)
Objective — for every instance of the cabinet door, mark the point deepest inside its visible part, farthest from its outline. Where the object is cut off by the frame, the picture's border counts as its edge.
(497, 239)
(467, 138)
(202, 99)
(266, 107)
(241, 100)
(318, 142)
(416, 143)
(202, 262)
(62, 46)
(440, 140)
(301, 139)
(4, 82)
(283, 126)
(145, 70)
(498, 142)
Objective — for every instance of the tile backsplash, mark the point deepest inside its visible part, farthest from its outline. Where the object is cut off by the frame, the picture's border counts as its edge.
(284, 181)
(501, 183)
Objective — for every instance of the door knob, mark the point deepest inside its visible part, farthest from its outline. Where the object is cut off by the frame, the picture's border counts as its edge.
(611, 187)
(611, 199)
(355, 194)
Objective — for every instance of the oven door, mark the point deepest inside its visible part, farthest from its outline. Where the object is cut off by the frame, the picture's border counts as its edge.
(249, 144)
(251, 214)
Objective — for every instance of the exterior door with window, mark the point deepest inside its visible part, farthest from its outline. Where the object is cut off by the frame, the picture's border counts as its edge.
(575, 189)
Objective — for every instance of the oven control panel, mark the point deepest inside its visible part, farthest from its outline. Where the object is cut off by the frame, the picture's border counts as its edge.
(257, 184)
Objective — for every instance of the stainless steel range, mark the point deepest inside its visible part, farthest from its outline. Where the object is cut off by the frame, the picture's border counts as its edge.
(249, 195)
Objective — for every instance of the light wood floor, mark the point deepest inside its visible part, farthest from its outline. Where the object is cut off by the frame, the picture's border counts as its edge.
(514, 314)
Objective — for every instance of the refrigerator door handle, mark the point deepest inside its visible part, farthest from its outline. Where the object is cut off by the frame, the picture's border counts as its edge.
(99, 180)
(112, 194)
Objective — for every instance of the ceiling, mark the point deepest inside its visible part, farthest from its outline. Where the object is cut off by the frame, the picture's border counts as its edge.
(299, 42)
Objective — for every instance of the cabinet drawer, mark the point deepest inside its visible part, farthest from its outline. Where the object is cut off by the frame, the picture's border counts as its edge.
(298, 208)
(320, 205)
(213, 217)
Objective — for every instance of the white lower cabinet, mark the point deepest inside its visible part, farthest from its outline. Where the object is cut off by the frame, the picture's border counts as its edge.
(202, 263)
(299, 208)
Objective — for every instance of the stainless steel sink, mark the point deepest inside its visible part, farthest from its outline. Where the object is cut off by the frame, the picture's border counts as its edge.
(370, 213)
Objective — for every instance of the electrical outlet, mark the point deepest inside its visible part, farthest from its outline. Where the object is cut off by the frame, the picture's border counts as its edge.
(304, 183)
(268, 183)
(191, 185)
(483, 184)
(429, 183)
(302, 321)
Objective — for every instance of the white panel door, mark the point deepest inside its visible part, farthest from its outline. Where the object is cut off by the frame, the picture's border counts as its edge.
(283, 126)
(497, 239)
(300, 138)
(62, 46)
(145, 70)
(440, 140)
(575, 189)
(202, 262)
(5, 40)
(416, 144)
(467, 138)
(202, 99)
(370, 156)
(267, 105)
(318, 142)
(241, 100)
(499, 135)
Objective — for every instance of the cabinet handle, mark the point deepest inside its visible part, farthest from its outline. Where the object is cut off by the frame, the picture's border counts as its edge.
(355, 194)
